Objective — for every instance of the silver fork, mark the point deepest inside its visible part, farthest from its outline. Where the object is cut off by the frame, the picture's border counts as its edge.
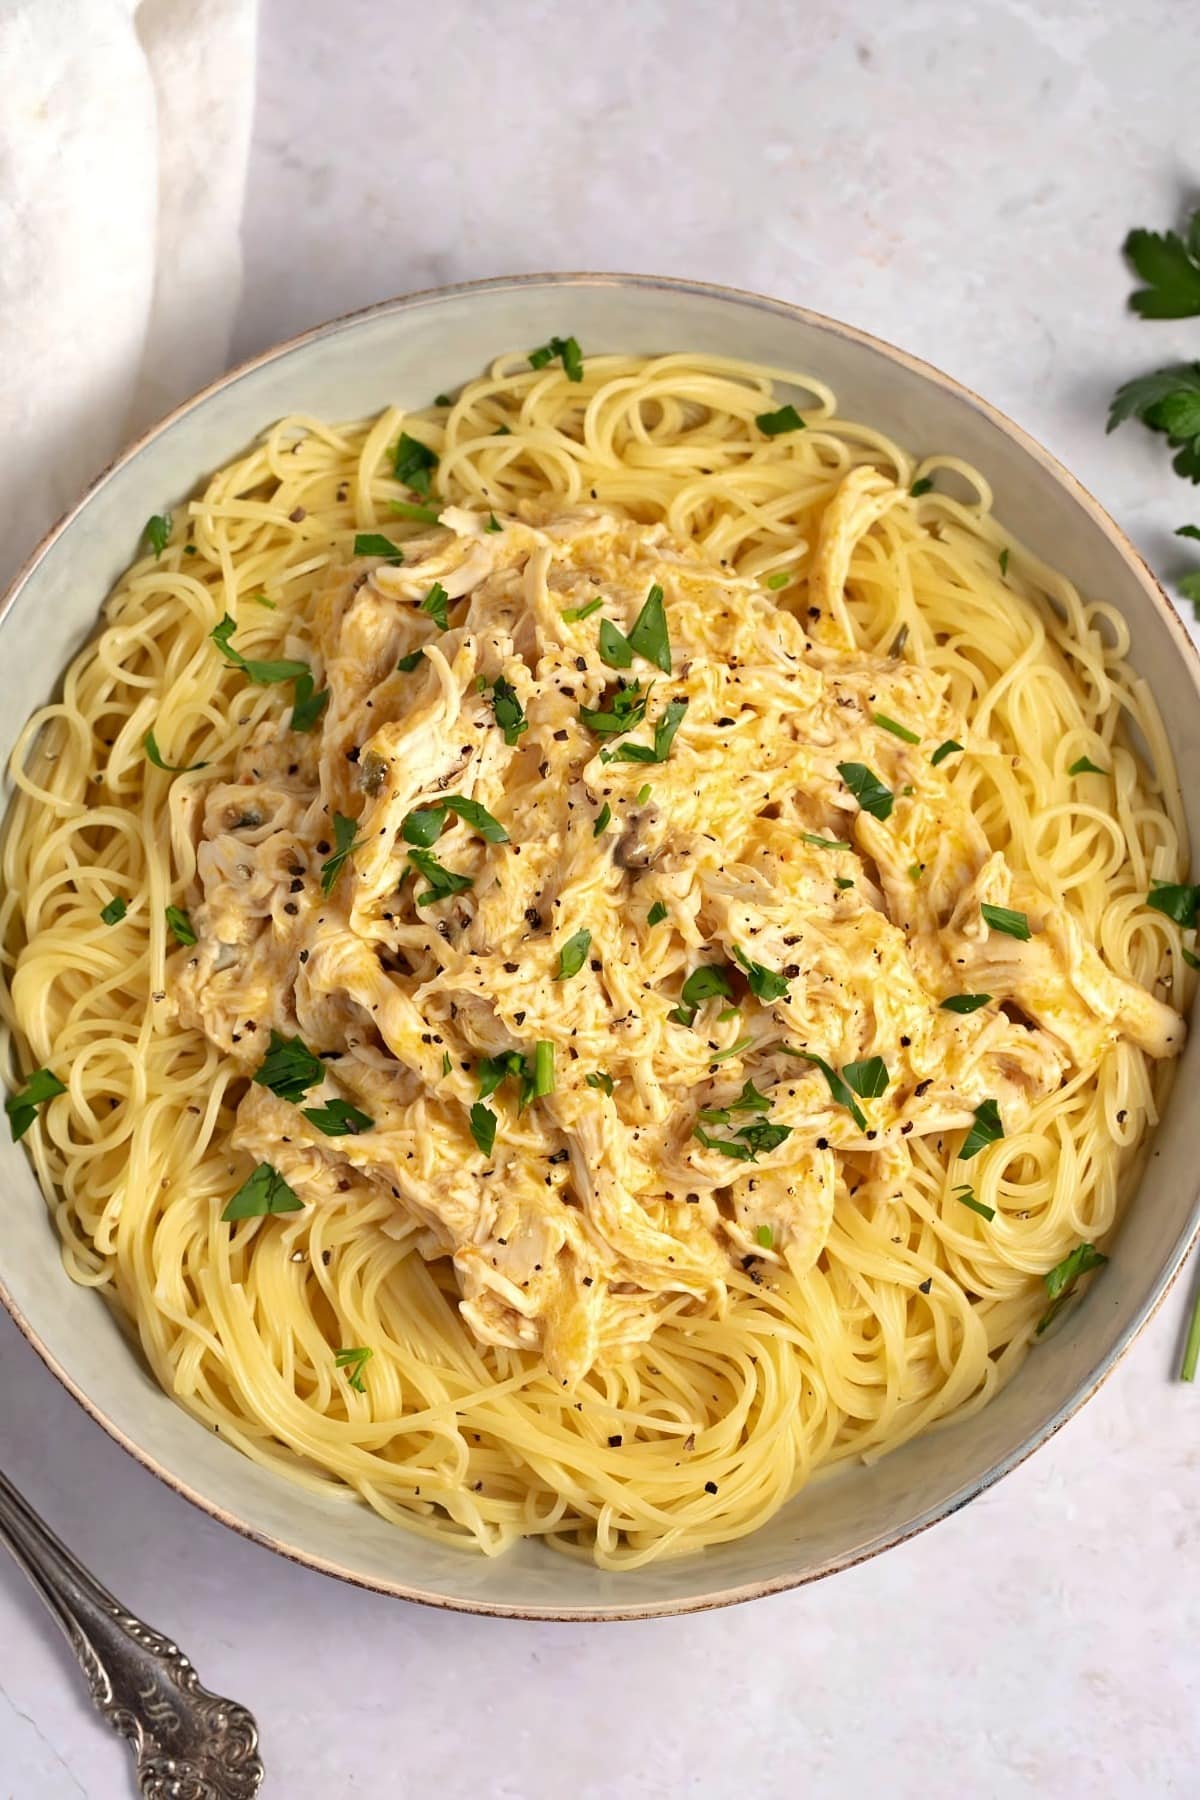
(187, 1743)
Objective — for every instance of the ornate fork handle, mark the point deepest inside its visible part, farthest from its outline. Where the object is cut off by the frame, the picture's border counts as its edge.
(188, 1743)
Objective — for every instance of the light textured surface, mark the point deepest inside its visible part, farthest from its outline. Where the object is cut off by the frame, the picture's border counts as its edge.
(960, 188)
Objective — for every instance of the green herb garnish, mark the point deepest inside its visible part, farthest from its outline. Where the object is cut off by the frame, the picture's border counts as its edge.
(307, 704)
(657, 913)
(965, 1195)
(289, 1069)
(900, 731)
(1178, 900)
(943, 751)
(179, 922)
(425, 823)
(408, 509)
(1085, 766)
(867, 789)
(667, 724)
(483, 1127)
(764, 1236)
(265, 674)
(749, 1100)
(543, 1068)
(152, 750)
(573, 955)
(1003, 560)
(338, 1119)
(964, 1003)
(372, 543)
(602, 1082)
(784, 418)
(838, 1088)
(264, 1192)
(1060, 1280)
(764, 983)
(602, 820)
(868, 1078)
(987, 1129)
(566, 348)
(649, 637)
(413, 463)
(923, 486)
(704, 983)
(575, 615)
(435, 604)
(115, 911)
(408, 663)
(620, 710)
(156, 532)
(1002, 918)
(748, 1143)
(442, 882)
(344, 843)
(353, 1362)
(21, 1107)
(823, 843)
(508, 711)
(778, 580)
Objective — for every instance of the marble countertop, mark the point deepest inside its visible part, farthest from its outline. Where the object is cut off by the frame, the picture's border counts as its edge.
(959, 180)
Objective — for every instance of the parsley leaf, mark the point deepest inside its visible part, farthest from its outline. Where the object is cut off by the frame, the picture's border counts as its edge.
(837, 1087)
(965, 1195)
(868, 1078)
(338, 1119)
(493, 1070)
(964, 1003)
(764, 983)
(573, 955)
(307, 706)
(21, 1107)
(749, 1100)
(1002, 918)
(621, 708)
(1003, 561)
(413, 463)
(373, 543)
(344, 842)
(150, 745)
(943, 751)
(900, 731)
(289, 1069)
(1060, 1280)
(784, 418)
(264, 1192)
(602, 1082)
(823, 843)
(867, 789)
(408, 509)
(424, 824)
(265, 674)
(667, 724)
(435, 604)
(615, 648)
(649, 636)
(156, 532)
(1177, 900)
(923, 486)
(442, 882)
(179, 923)
(778, 580)
(408, 663)
(566, 348)
(510, 715)
(1168, 401)
(574, 615)
(704, 983)
(747, 1144)
(483, 1127)
(115, 911)
(603, 818)
(764, 1236)
(987, 1129)
(354, 1362)
(657, 913)
(1170, 267)
(1083, 765)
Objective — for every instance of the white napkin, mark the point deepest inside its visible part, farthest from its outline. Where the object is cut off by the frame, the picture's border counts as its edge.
(124, 136)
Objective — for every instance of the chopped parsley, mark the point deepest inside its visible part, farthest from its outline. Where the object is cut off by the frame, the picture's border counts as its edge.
(483, 1127)
(264, 1192)
(447, 1065)
(749, 1100)
(779, 579)
(900, 731)
(289, 1069)
(150, 745)
(565, 348)
(620, 710)
(265, 674)
(602, 1082)
(643, 794)
(1060, 1280)
(373, 543)
(602, 820)
(179, 923)
(338, 1119)
(657, 913)
(1085, 766)
(1168, 401)
(943, 751)
(21, 1107)
(923, 486)
(115, 911)
(868, 1078)
(649, 637)
(1003, 559)
(408, 509)
(764, 1236)
(408, 663)
(413, 463)
(493, 523)
(964, 1003)
(1002, 918)
(965, 1195)
(764, 983)
(344, 843)
(823, 843)
(704, 983)
(510, 715)
(1170, 266)
(435, 604)
(425, 823)
(543, 1068)
(307, 705)
(867, 789)
(353, 1362)
(575, 615)
(573, 955)
(667, 724)
(1177, 900)
(987, 1129)
(839, 1088)
(735, 1049)
(615, 648)
(156, 532)
(493, 1070)
(749, 1142)
(784, 418)
(442, 882)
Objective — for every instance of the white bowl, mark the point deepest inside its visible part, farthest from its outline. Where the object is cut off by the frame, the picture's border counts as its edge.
(404, 351)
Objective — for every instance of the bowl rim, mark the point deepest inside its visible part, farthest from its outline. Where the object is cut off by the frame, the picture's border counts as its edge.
(1169, 616)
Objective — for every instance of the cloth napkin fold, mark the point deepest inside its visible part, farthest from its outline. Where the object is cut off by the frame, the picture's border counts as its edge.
(124, 140)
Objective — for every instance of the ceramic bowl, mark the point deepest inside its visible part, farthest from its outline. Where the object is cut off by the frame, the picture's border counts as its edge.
(403, 351)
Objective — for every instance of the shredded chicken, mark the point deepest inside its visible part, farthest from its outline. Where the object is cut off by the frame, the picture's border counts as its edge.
(610, 1198)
